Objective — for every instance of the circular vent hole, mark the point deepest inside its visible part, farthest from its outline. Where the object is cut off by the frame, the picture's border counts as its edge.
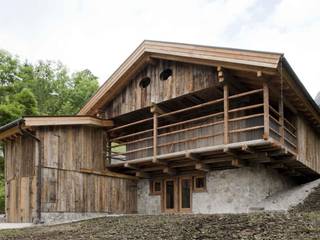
(165, 74)
(145, 82)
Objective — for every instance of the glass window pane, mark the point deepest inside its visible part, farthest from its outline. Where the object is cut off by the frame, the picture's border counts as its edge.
(200, 182)
(157, 186)
(169, 194)
(185, 187)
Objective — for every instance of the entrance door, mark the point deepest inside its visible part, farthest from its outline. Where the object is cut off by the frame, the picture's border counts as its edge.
(177, 195)
(170, 195)
(185, 194)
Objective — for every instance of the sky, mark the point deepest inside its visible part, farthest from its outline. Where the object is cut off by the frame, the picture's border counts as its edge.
(100, 34)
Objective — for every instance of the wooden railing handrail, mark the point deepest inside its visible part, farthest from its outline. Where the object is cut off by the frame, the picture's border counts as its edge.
(245, 93)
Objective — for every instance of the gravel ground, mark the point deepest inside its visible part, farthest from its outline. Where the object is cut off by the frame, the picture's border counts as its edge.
(227, 226)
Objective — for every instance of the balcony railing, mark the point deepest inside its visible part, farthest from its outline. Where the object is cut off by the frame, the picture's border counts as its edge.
(236, 118)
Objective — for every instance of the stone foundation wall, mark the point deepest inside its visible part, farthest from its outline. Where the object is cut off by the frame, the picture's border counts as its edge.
(147, 204)
(228, 191)
(236, 190)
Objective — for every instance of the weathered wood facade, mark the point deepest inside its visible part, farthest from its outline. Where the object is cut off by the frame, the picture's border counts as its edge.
(171, 113)
(73, 177)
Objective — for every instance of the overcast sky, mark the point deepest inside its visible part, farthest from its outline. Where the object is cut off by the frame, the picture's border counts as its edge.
(99, 35)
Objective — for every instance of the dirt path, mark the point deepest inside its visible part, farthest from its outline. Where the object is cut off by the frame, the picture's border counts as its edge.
(238, 226)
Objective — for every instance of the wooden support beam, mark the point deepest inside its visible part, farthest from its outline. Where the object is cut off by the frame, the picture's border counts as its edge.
(278, 166)
(155, 136)
(247, 149)
(237, 163)
(192, 156)
(266, 110)
(156, 109)
(169, 171)
(226, 114)
(280, 152)
(202, 167)
(128, 165)
(281, 120)
(141, 174)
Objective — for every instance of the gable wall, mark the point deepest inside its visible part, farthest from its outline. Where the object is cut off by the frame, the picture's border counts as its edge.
(186, 78)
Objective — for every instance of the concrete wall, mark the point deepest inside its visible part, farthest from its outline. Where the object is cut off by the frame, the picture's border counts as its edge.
(147, 204)
(228, 191)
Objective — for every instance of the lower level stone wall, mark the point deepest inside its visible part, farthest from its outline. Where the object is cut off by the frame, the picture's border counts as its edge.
(228, 191)
(146, 203)
(236, 190)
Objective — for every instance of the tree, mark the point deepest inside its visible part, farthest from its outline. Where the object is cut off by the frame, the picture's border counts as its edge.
(44, 88)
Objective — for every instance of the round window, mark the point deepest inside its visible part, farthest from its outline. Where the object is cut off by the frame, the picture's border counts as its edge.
(165, 74)
(145, 82)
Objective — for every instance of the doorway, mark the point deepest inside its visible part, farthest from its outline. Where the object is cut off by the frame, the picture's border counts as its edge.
(177, 195)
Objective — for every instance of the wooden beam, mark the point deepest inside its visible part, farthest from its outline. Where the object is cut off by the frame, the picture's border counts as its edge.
(247, 149)
(155, 136)
(259, 74)
(192, 156)
(106, 173)
(226, 114)
(202, 167)
(237, 163)
(169, 171)
(67, 120)
(281, 119)
(266, 110)
(128, 165)
(156, 109)
(141, 174)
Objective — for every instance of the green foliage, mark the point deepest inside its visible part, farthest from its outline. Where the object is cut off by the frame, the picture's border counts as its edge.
(44, 88)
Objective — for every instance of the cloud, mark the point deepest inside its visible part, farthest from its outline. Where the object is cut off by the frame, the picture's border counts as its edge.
(99, 34)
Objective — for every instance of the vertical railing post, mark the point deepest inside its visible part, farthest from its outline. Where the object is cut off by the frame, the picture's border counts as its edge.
(266, 110)
(109, 148)
(155, 136)
(226, 113)
(281, 120)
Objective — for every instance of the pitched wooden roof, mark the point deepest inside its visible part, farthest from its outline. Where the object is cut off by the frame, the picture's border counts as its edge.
(237, 59)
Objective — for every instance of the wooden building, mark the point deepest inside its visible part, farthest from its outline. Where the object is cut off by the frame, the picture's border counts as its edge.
(176, 115)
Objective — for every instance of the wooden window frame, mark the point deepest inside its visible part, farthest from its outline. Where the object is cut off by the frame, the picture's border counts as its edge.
(152, 187)
(202, 189)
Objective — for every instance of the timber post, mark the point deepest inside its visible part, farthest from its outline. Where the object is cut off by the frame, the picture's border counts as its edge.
(109, 149)
(226, 113)
(155, 112)
(281, 121)
(266, 120)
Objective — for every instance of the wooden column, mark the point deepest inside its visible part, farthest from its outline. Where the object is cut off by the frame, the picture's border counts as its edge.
(281, 120)
(226, 113)
(109, 149)
(266, 110)
(155, 136)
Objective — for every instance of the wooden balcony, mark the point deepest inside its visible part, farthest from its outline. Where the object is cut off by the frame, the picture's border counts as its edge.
(227, 132)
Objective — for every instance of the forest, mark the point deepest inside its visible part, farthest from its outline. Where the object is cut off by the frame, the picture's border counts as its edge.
(41, 88)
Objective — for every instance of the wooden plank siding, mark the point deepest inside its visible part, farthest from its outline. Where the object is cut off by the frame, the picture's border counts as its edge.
(20, 179)
(308, 145)
(73, 175)
(66, 188)
(186, 78)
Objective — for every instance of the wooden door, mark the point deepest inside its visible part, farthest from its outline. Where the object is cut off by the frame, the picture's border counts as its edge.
(170, 195)
(185, 194)
(177, 195)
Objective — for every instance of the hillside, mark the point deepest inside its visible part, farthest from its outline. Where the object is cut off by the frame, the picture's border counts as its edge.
(238, 226)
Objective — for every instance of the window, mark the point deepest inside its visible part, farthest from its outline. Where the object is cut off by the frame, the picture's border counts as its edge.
(145, 82)
(165, 74)
(199, 184)
(155, 187)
